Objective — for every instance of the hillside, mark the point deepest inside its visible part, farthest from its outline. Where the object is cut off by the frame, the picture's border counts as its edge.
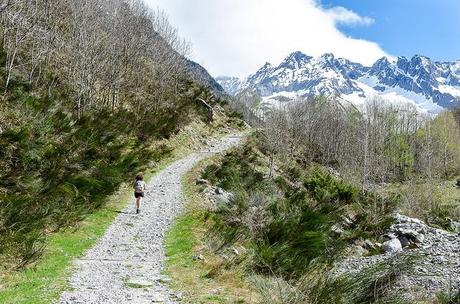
(91, 94)
(314, 181)
(431, 86)
(266, 225)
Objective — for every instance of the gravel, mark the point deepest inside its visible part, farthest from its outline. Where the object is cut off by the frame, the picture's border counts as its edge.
(125, 265)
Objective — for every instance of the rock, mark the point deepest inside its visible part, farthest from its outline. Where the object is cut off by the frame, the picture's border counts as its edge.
(401, 219)
(235, 251)
(222, 197)
(219, 190)
(201, 181)
(392, 246)
(337, 230)
(409, 233)
(454, 226)
(222, 200)
(158, 298)
(436, 264)
(164, 280)
(404, 241)
(420, 238)
(347, 222)
(199, 257)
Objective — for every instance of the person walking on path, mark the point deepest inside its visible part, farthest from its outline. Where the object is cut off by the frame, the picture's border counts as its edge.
(139, 189)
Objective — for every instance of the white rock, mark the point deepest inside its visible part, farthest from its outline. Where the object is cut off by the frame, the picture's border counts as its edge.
(337, 230)
(392, 246)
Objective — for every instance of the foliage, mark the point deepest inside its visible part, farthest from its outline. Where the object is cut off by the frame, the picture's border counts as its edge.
(448, 297)
(200, 275)
(55, 167)
(286, 224)
(379, 145)
(369, 285)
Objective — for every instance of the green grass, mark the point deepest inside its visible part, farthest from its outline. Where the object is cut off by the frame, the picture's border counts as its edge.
(44, 281)
(186, 240)
(181, 240)
(432, 201)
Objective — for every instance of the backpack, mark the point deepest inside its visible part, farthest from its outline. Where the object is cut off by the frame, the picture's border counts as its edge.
(139, 186)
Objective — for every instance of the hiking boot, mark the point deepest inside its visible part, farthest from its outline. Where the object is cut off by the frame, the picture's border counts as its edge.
(137, 211)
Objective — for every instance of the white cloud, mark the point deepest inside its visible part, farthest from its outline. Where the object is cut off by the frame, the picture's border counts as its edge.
(344, 16)
(236, 37)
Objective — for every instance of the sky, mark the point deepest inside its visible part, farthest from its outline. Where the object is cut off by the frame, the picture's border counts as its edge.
(236, 37)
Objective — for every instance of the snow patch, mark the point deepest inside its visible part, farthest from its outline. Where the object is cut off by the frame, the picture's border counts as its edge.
(452, 90)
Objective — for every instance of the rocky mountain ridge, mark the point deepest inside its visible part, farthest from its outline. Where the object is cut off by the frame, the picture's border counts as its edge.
(430, 85)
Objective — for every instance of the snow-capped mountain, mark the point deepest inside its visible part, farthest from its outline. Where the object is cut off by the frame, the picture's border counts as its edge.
(429, 85)
(231, 85)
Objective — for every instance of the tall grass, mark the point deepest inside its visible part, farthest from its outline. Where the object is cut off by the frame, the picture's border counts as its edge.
(287, 221)
(55, 169)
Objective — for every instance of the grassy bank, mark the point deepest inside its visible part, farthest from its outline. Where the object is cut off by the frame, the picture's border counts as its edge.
(274, 243)
(46, 279)
(195, 269)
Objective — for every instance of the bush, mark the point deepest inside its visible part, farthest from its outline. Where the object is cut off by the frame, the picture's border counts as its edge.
(297, 217)
(55, 168)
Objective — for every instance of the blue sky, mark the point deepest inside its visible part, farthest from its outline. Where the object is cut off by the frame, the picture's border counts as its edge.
(408, 27)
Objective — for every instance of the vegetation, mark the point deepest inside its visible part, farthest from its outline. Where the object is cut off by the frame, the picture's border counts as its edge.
(276, 235)
(198, 273)
(319, 177)
(90, 92)
(287, 221)
(384, 144)
(47, 279)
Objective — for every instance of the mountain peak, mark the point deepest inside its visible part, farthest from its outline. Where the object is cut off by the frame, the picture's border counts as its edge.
(328, 56)
(421, 60)
(381, 64)
(266, 66)
(297, 56)
(430, 85)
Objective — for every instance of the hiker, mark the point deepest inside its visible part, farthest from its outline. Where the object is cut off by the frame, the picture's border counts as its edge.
(139, 188)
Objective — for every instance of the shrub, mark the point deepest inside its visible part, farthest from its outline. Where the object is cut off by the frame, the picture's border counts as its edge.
(298, 217)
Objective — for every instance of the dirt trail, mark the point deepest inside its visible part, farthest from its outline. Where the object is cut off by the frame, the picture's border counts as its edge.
(125, 265)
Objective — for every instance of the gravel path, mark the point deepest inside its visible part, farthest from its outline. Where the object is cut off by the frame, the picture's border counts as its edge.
(125, 266)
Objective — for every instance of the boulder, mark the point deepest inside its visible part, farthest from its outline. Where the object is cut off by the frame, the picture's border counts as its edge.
(402, 219)
(392, 246)
(222, 197)
(404, 241)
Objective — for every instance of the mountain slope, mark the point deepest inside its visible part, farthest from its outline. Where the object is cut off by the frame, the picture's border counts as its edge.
(430, 85)
(203, 78)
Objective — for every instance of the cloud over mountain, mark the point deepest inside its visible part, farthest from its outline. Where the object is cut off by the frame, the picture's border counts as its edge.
(234, 37)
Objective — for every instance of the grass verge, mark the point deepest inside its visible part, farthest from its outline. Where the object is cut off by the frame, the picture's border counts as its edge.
(191, 263)
(44, 281)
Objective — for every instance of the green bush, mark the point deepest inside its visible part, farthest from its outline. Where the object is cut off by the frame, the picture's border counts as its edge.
(55, 168)
(298, 217)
